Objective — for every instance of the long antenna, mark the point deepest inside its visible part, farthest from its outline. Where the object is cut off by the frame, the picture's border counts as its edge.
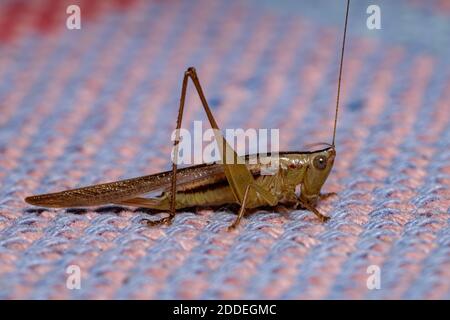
(340, 73)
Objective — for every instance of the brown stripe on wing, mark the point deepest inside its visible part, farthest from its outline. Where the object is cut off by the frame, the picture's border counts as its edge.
(213, 180)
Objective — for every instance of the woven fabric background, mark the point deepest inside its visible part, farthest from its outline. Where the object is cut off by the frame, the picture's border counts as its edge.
(98, 104)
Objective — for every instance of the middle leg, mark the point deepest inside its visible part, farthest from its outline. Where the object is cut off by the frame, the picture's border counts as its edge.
(266, 195)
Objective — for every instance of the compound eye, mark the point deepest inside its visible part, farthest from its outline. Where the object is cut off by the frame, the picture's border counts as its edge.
(320, 162)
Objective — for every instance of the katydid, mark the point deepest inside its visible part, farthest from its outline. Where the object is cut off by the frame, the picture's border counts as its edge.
(217, 183)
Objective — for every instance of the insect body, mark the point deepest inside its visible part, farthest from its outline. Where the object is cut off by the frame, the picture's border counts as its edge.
(217, 183)
(205, 184)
